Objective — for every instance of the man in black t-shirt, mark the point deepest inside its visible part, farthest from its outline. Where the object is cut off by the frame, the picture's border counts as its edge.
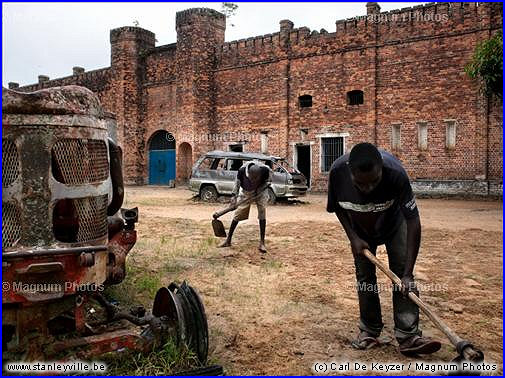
(370, 193)
(252, 179)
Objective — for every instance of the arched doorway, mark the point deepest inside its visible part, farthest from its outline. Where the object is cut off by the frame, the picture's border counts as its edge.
(184, 162)
(161, 158)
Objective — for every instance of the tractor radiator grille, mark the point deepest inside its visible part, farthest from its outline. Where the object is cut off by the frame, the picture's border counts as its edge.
(11, 224)
(10, 163)
(81, 219)
(80, 161)
(92, 214)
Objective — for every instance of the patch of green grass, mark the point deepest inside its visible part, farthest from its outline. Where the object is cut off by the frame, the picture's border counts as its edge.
(167, 360)
(210, 241)
(126, 291)
(272, 265)
(163, 239)
(173, 266)
(148, 282)
(138, 285)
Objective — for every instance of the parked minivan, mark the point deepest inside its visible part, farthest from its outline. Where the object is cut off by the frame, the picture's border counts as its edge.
(215, 172)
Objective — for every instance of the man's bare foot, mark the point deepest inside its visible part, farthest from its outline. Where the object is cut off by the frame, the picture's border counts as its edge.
(262, 248)
(224, 244)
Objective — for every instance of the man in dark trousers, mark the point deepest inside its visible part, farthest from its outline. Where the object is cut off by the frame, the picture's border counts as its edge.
(252, 179)
(370, 193)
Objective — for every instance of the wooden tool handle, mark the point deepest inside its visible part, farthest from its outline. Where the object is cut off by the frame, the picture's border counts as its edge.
(220, 213)
(455, 339)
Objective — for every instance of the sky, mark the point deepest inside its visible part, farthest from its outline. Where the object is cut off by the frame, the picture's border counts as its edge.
(50, 38)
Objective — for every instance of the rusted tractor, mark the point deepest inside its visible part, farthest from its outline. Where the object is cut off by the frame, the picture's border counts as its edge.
(65, 237)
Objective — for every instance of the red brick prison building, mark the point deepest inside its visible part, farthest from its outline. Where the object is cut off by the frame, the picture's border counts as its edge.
(394, 78)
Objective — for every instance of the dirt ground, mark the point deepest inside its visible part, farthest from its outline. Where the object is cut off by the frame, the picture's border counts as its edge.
(277, 314)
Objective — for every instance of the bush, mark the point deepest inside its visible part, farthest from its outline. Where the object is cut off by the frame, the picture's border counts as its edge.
(487, 65)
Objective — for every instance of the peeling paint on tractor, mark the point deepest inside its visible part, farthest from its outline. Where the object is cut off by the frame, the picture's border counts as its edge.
(63, 237)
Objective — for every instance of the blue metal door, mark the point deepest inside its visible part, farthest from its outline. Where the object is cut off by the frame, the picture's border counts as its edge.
(161, 166)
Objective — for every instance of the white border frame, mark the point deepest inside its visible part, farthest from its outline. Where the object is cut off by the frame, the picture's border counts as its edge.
(295, 156)
(343, 135)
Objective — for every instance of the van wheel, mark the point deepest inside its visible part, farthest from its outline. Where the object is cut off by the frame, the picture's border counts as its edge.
(271, 196)
(208, 194)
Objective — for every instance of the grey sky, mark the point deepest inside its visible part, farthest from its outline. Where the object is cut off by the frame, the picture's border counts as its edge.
(51, 38)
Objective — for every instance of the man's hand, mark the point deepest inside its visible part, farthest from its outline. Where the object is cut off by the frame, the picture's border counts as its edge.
(358, 245)
(408, 285)
(233, 200)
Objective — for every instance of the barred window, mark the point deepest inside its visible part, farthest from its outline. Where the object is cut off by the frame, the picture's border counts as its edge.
(331, 150)
(355, 97)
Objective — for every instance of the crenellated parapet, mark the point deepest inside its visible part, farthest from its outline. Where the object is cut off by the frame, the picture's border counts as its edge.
(94, 80)
(206, 15)
(374, 28)
(132, 33)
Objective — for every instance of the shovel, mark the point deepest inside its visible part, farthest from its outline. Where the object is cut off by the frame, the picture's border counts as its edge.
(466, 351)
(218, 226)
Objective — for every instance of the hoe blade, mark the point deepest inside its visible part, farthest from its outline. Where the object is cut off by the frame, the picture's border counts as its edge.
(218, 228)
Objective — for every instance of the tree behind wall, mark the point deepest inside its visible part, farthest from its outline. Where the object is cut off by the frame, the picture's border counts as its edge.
(487, 65)
(229, 10)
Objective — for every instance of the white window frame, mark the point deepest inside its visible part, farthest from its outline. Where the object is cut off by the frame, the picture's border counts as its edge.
(396, 128)
(295, 155)
(264, 143)
(329, 135)
(450, 137)
(422, 135)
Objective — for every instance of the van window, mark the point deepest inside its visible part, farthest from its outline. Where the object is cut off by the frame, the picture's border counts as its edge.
(209, 163)
(288, 167)
(277, 168)
(234, 164)
(268, 163)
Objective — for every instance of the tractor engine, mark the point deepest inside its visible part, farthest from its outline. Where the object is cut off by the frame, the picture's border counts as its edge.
(65, 237)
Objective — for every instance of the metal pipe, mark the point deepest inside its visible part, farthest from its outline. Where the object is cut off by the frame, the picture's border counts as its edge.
(52, 252)
(116, 176)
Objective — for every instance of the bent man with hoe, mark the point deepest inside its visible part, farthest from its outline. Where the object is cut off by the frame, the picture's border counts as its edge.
(370, 193)
(252, 179)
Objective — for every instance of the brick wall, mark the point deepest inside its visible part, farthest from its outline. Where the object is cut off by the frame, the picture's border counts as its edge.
(408, 63)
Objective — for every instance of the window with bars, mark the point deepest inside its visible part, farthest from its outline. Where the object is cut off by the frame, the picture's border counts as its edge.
(355, 97)
(331, 149)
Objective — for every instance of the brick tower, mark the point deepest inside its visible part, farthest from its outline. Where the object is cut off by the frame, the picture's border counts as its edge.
(129, 46)
(199, 32)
